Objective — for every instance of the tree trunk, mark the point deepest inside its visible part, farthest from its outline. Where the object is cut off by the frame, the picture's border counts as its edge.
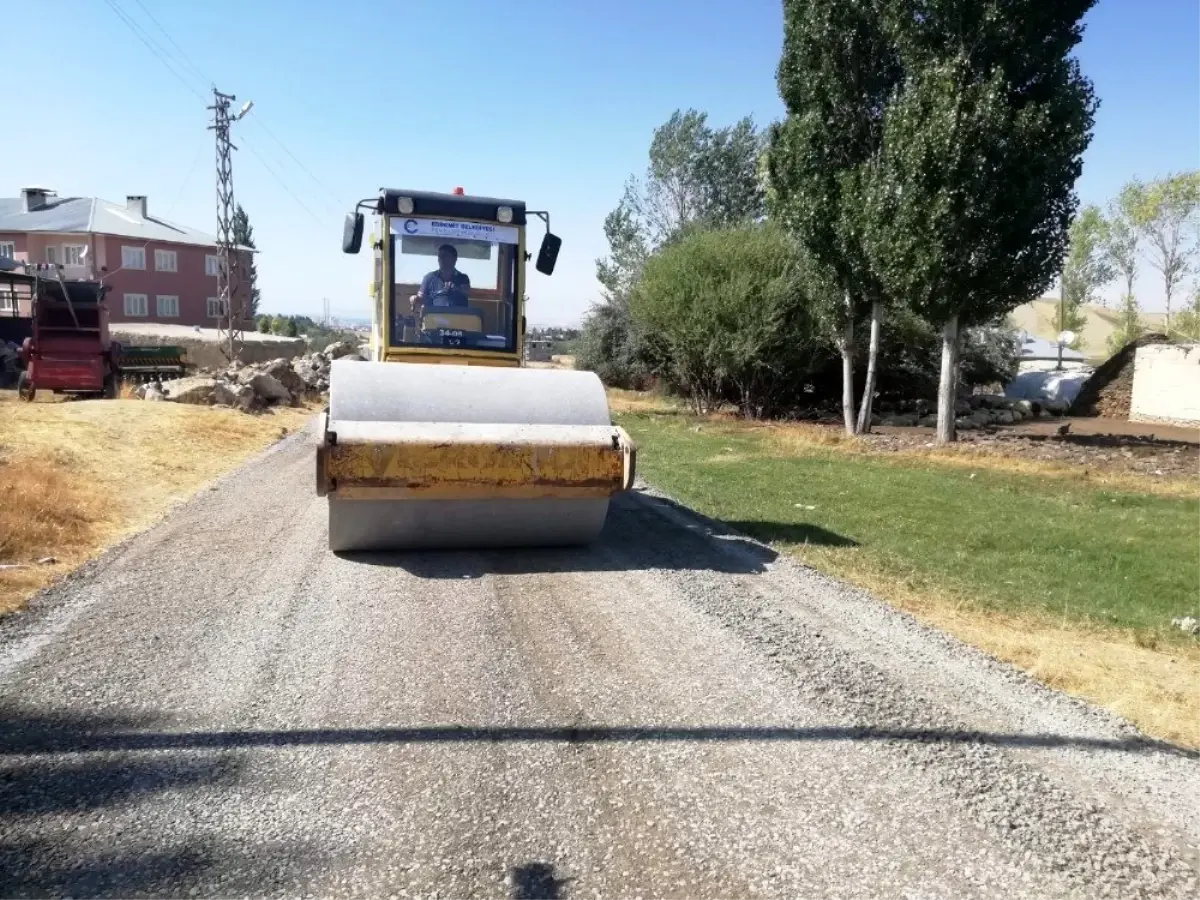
(868, 398)
(846, 345)
(948, 384)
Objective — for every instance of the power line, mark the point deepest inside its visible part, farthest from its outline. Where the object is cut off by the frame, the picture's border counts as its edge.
(151, 46)
(167, 35)
(282, 183)
(316, 180)
(163, 57)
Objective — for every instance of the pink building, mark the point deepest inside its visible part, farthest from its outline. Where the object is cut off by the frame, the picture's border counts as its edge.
(156, 271)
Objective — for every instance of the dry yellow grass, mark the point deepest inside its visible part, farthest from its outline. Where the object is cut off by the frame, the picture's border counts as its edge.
(1156, 688)
(75, 477)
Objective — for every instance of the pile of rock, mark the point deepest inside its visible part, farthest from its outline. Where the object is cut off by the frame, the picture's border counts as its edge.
(978, 411)
(254, 387)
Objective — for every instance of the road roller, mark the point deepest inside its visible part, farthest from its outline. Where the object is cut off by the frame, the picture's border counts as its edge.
(443, 437)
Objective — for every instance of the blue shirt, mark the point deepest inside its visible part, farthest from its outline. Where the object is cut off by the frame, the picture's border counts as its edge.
(437, 291)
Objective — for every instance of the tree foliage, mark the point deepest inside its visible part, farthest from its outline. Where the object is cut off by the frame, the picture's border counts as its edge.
(1167, 219)
(972, 193)
(1123, 234)
(1087, 269)
(835, 75)
(698, 177)
(730, 314)
(243, 236)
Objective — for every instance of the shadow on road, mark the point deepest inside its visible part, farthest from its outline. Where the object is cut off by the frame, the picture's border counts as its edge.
(536, 881)
(30, 737)
(50, 844)
(643, 532)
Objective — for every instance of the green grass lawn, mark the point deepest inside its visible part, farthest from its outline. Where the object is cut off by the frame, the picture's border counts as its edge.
(1007, 542)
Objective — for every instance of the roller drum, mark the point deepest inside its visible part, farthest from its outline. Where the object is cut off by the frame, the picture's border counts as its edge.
(379, 392)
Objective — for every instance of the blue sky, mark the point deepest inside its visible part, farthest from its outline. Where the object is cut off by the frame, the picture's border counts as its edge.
(552, 102)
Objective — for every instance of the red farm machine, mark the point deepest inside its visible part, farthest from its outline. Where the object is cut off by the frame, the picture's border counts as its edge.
(66, 348)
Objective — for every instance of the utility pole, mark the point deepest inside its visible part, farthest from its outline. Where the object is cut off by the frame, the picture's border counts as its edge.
(229, 321)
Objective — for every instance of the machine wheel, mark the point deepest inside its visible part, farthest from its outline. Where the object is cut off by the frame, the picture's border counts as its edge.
(25, 388)
(382, 396)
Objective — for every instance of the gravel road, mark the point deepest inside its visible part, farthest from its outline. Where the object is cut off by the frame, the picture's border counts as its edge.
(221, 707)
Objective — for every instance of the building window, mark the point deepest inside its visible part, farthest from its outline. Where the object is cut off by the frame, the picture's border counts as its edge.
(133, 257)
(212, 265)
(167, 306)
(8, 299)
(74, 254)
(165, 261)
(52, 255)
(8, 249)
(214, 307)
(137, 305)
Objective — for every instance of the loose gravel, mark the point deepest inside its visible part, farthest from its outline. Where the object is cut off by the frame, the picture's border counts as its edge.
(222, 707)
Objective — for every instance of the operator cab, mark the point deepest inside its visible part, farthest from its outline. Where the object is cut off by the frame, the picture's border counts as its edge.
(449, 271)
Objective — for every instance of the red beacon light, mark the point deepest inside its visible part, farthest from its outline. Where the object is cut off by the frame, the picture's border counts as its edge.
(459, 191)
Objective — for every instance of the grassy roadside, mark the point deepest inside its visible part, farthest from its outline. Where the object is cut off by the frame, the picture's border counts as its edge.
(76, 477)
(1072, 578)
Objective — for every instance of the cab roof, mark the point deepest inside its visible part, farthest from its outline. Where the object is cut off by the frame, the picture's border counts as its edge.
(467, 206)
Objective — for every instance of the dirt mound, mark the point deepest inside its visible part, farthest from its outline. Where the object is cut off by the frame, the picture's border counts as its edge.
(1107, 394)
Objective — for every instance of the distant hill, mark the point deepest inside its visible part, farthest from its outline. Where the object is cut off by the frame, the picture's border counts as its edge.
(1039, 318)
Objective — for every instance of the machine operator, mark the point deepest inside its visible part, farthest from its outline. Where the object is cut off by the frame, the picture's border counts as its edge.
(444, 286)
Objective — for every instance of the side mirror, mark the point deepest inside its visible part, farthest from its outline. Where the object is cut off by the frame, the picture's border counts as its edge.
(352, 233)
(548, 254)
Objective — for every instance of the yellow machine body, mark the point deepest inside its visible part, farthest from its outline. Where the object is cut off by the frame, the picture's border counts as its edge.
(442, 438)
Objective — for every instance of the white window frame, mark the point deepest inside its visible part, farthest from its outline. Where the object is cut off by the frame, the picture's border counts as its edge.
(214, 307)
(66, 254)
(11, 247)
(52, 254)
(212, 264)
(137, 254)
(161, 258)
(8, 300)
(158, 306)
(144, 305)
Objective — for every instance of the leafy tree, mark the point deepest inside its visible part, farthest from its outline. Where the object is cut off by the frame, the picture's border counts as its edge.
(973, 189)
(1123, 233)
(243, 236)
(290, 328)
(1087, 269)
(730, 313)
(1130, 326)
(263, 324)
(1168, 218)
(837, 70)
(698, 177)
(1186, 324)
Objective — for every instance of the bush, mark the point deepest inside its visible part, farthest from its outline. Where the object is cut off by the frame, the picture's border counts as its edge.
(730, 314)
(738, 316)
(609, 346)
